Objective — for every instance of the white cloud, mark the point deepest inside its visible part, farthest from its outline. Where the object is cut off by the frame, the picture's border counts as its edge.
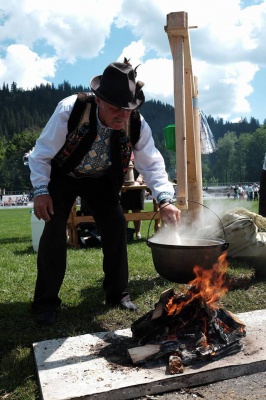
(224, 89)
(227, 47)
(147, 22)
(71, 29)
(135, 51)
(26, 68)
(157, 74)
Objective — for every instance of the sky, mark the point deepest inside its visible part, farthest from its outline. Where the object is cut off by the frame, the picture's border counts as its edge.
(52, 41)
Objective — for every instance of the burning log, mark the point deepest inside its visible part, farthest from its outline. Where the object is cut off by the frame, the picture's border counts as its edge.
(159, 307)
(194, 333)
(188, 326)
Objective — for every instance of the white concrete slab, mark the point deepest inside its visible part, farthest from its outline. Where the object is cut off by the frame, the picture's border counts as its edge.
(73, 368)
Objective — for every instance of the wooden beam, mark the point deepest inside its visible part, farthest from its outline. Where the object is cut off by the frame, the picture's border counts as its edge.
(187, 126)
(141, 216)
(177, 30)
(191, 155)
(195, 194)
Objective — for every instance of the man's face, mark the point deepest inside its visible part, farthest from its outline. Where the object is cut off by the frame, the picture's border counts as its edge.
(111, 116)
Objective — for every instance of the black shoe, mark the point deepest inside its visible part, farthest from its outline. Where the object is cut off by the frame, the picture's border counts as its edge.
(46, 317)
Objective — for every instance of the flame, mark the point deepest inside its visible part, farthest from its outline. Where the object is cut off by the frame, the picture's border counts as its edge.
(208, 286)
(195, 316)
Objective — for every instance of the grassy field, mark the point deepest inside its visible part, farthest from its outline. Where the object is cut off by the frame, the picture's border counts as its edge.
(83, 310)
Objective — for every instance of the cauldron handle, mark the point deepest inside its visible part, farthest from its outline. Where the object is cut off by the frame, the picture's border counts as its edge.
(226, 243)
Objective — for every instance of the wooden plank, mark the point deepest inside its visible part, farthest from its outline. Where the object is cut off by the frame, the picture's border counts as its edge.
(142, 353)
(133, 187)
(141, 216)
(195, 193)
(191, 152)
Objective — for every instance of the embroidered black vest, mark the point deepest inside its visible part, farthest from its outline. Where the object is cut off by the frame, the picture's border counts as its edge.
(82, 131)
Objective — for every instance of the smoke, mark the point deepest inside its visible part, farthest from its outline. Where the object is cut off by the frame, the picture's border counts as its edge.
(204, 222)
(167, 234)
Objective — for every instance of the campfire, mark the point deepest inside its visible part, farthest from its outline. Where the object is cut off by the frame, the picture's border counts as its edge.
(189, 326)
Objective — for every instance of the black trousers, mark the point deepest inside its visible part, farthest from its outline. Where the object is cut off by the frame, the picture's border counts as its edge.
(101, 197)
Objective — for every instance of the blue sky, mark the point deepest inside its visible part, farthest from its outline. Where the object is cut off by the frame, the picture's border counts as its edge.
(49, 41)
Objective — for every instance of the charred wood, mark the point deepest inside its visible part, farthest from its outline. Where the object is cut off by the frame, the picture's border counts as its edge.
(175, 365)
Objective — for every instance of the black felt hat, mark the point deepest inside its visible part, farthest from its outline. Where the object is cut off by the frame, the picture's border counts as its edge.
(118, 87)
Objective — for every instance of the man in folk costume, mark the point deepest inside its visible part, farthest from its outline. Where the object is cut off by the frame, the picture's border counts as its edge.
(90, 159)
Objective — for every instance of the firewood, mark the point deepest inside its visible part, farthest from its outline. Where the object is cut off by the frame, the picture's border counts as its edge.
(183, 327)
(175, 365)
(235, 318)
(159, 307)
(143, 353)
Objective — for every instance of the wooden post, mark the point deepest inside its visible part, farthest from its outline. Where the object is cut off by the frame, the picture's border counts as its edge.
(176, 29)
(194, 170)
(187, 127)
(195, 186)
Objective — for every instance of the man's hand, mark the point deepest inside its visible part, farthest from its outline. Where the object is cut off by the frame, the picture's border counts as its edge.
(43, 207)
(170, 214)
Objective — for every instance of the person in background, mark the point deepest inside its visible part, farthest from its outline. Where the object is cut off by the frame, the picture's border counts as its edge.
(240, 192)
(249, 192)
(255, 192)
(91, 163)
(262, 190)
(235, 192)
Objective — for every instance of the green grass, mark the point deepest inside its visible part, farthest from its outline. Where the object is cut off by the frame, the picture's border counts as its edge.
(83, 309)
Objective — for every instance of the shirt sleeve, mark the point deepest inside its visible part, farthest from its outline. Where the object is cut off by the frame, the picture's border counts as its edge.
(150, 163)
(49, 143)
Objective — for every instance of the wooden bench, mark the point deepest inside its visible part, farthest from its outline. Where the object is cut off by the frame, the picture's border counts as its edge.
(74, 219)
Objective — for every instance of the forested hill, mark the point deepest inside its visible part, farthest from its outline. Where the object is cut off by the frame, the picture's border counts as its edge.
(30, 109)
(24, 113)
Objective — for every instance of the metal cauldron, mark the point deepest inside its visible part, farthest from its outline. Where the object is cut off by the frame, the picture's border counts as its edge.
(176, 262)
